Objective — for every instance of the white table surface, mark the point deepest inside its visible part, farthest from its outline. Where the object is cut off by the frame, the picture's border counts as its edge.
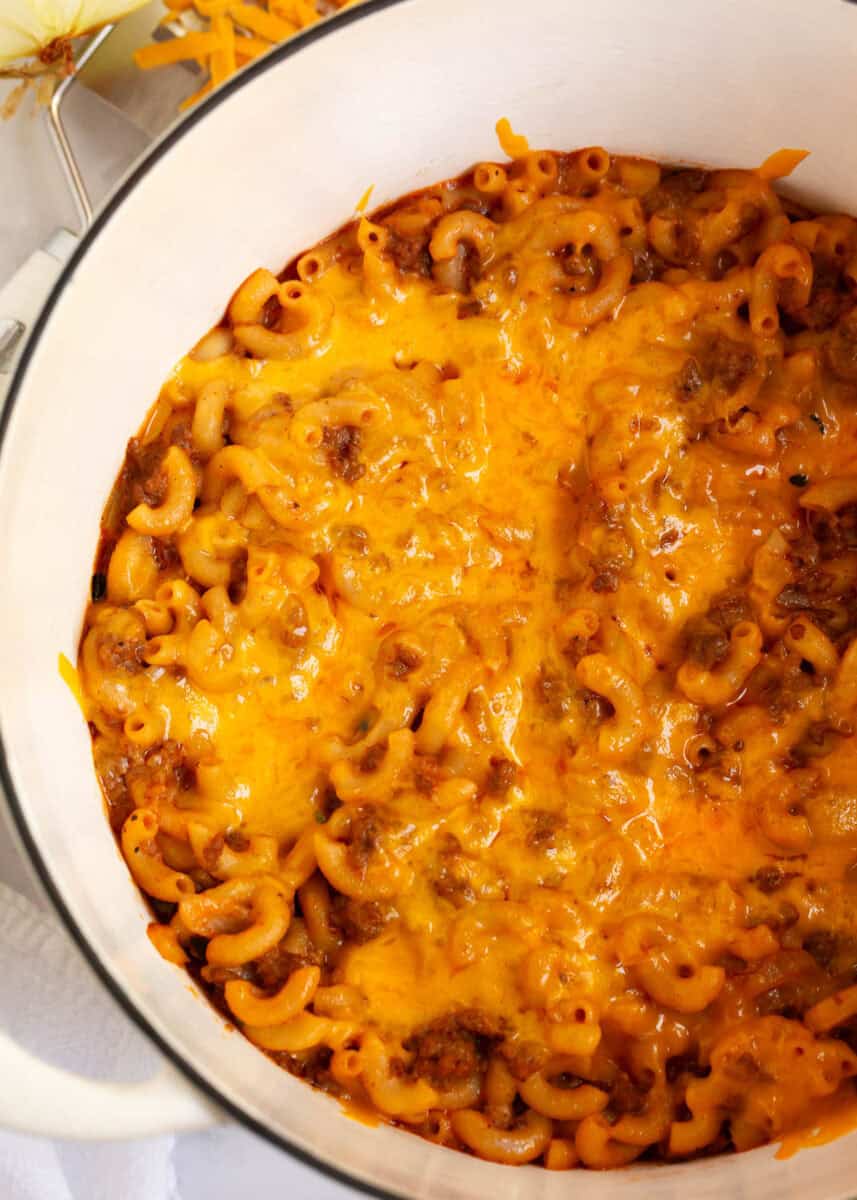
(228, 1163)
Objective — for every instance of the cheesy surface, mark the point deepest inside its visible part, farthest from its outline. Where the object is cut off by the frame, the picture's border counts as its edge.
(471, 661)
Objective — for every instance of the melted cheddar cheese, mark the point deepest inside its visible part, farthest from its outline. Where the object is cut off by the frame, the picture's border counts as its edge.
(472, 666)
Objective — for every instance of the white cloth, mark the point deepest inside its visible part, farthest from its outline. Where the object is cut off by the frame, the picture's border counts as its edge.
(73, 1022)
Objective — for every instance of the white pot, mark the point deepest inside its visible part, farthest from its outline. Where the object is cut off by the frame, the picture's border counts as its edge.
(397, 95)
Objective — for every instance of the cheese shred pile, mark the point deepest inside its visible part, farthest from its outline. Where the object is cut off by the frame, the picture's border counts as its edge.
(221, 36)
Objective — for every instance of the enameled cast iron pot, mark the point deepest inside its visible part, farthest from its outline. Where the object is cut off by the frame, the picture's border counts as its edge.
(399, 94)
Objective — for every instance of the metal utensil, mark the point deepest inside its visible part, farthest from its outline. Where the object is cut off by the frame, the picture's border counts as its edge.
(108, 102)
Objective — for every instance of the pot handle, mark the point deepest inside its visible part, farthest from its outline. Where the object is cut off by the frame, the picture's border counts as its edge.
(42, 1099)
(47, 1101)
(24, 296)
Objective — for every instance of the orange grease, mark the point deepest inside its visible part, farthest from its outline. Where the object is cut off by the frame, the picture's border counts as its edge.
(359, 1112)
(833, 1117)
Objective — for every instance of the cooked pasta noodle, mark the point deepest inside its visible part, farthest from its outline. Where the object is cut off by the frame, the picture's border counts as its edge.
(472, 664)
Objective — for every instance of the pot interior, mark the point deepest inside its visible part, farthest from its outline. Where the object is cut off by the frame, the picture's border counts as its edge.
(397, 96)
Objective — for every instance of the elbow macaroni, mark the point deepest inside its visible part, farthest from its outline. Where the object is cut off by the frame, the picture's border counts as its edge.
(472, 662)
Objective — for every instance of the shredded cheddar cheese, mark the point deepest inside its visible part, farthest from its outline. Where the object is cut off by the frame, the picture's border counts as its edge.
(513, 145)
(237, 34)
(71, 678)
(363, 203)
(781, 163)
(473, 669)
